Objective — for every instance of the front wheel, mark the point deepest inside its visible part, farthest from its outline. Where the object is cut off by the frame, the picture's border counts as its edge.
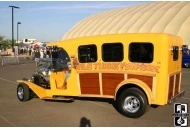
(132, 103)
(23, 92)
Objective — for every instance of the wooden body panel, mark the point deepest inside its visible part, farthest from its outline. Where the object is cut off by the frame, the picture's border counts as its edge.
(146, 79)
(171, 87)
(110, 82)
(177, 84)
(89, 83)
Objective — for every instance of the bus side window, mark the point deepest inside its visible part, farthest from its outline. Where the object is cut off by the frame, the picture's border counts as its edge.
(141, 52)
(112, 52)
(175, 53)
(87, 53)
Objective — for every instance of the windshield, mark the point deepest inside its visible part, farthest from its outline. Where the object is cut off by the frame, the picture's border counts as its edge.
(59, 60)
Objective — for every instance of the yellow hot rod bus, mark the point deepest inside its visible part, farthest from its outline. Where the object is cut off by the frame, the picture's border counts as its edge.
(135, 70)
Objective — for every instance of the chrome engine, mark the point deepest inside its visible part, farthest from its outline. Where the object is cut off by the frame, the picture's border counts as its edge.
(41, 75)
(44, 74)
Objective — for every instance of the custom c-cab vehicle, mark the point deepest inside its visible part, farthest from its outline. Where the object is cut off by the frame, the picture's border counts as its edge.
(135, 70)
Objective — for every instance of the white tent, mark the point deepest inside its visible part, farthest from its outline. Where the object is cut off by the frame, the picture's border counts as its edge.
(38, 44)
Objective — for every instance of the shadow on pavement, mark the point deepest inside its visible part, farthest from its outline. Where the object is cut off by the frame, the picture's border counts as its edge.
(84, 122)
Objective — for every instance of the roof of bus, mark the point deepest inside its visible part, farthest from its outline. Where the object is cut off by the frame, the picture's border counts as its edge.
(60, 43)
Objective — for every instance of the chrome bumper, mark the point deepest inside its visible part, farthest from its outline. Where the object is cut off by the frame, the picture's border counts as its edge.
(177, 97)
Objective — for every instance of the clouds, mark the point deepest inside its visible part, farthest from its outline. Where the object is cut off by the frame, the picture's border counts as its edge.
(87, 6)
(66, 7)
(81, 7)
(48, 21)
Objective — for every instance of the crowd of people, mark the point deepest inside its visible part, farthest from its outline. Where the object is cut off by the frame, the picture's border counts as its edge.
(46, 52)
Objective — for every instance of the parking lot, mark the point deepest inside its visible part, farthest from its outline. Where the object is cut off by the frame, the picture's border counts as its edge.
(38, 112)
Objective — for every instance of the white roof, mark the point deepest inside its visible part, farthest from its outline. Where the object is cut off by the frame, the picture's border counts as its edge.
(155, 17)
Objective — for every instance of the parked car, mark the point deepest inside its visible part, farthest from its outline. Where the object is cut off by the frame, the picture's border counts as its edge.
(186, 58)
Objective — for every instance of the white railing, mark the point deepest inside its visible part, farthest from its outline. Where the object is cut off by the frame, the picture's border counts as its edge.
(9, 60)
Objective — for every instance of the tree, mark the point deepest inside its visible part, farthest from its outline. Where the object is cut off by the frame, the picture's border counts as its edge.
(1, 38)
(1, 41)
(5, 43)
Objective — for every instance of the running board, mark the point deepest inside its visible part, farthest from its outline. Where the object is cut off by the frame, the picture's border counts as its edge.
(58, 98)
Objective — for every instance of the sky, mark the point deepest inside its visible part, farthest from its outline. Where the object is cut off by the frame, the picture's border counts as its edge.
(48, 21)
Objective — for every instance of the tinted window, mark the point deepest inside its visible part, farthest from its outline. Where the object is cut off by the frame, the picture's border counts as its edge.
(141, 52)
(175, 52)
(112, 52)
(87, 53)
(62, 54)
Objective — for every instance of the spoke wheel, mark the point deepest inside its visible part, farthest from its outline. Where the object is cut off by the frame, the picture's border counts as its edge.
(23, 92)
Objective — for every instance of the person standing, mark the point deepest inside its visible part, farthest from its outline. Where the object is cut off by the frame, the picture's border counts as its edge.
(37, 56)
(41, 53)
(33, 53)
(30, 51)
(47, 53)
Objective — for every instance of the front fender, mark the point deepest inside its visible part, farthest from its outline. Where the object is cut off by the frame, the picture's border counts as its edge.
(39, 91)
(139, 83)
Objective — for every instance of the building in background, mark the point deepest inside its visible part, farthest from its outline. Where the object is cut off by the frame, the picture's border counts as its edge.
(29, 41)
(171, 17)
(18, 41)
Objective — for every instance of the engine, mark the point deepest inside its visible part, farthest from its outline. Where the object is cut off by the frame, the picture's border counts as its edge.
(41, 75)
(45, 74)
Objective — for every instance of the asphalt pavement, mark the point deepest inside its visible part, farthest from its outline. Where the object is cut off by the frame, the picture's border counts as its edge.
(38, 112)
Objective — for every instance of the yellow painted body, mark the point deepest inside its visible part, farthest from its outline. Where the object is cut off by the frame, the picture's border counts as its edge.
(162, 60)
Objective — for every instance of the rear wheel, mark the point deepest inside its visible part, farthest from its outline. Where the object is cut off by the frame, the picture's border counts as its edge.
(132, 103)
(23, 92)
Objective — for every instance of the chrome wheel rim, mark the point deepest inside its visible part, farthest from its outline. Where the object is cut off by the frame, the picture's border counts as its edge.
(131, 104)
(20, 93)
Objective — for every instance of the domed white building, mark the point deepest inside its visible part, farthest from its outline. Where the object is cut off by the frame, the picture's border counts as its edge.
(155, 17)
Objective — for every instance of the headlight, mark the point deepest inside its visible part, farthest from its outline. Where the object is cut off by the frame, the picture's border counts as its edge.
(186, 64)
